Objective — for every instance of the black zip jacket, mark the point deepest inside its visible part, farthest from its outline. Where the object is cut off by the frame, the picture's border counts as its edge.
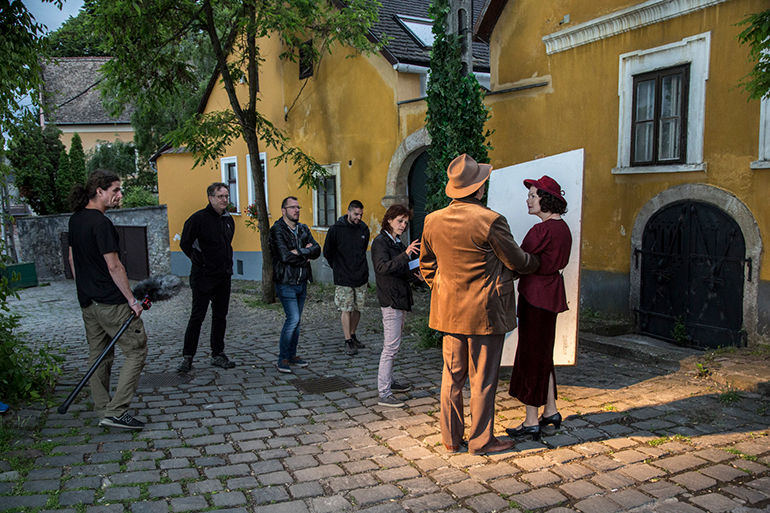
(345, 250)
(207, 240)
(289, 268)
(391, 271)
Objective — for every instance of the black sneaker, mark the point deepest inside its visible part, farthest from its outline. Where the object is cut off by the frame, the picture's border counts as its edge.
(125, 421)
(397, 387)
(350, 347)
(186, 365)
(221, 360)
(357, 343)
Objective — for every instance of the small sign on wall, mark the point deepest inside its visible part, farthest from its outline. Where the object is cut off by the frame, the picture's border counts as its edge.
(508, 196)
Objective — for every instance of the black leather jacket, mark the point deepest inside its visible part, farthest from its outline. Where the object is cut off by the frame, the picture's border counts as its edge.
(289, 268)
(391, 270)
(207, 240)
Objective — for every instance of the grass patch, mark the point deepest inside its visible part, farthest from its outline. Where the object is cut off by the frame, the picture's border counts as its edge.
(258, 303)
(729, 397)
(741, 455)
(609, 407)
(427, 337)
(667, 439)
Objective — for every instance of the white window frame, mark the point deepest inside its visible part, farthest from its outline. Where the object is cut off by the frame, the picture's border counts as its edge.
(763, 161)
(234, 199)
(332, 170)
(694, 50)
(250, 180)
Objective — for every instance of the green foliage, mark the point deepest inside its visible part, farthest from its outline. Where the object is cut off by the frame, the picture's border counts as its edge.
(34, 155)
(679, 333)
(21, 44)
(77, 160)
(136, 196)
(26, 374)
(729, 397)
(64, 180)
(118, 156)
(757, 36)
(75, 38)
(427, 337)
(456, 111)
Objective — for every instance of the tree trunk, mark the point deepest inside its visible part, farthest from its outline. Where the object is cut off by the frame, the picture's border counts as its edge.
(263, 221)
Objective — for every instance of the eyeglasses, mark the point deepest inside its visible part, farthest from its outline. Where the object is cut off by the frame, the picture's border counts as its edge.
(222, 196)
(294, 207)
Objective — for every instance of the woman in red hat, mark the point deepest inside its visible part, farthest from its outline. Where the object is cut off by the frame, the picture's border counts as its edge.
(541, 298)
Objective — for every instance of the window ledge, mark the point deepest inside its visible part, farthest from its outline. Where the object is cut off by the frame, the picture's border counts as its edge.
(321, 228)
(675, 168)
(761, 164)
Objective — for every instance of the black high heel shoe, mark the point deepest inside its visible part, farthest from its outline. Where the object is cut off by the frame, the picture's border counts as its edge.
(534, 431)
(554, 419)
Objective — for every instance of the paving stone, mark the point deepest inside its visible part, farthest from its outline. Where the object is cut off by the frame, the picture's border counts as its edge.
(76, 497)
(694, 481)
(41, 486)
(679, 463)
(541, 498)
(629, 499)
(92, 482)
(612, 480)
(509, 486)
(745, 493)
(376, 494)
(122, 493)
(285, 507)
(228, 499)
(306, 489)
(270, 494)
(38, 473)
(207, 486)
(164, 490)
(642, 471)
(26, 501)
(597, 505)
(714, 455)
(421, 486)
(276, 478)
(149, 507)
(542, 478)
(572, 471)
(715, 503)
(581, 489)
(630, 456)
(466, 488)
(227, 470)
(662, 489)
(313, 474)
(749, 466)
(432, 502)
(723, 472)
(148, 476)
(397, 474)
(602, 463)
(492, 471)
(112, 508)
(193, 503)
(486, 503)
(447, 476)
(331, 504)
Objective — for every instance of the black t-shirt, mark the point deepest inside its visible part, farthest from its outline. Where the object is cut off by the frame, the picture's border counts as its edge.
(91, 236)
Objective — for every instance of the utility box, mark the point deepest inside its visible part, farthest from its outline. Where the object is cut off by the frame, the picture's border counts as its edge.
(21, 275)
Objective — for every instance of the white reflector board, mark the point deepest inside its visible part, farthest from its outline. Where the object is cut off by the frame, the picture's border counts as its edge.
(508, 196)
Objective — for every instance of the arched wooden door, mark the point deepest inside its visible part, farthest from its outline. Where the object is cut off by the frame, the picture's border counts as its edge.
(418, 194)
(693, 265)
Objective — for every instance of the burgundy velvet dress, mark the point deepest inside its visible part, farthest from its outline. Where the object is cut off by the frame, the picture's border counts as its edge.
(541, 297)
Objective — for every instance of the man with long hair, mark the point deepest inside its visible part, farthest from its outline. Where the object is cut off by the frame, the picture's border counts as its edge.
(105, 297)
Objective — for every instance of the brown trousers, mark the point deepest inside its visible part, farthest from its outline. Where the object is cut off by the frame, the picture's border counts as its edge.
(102, 322)
(476, 357)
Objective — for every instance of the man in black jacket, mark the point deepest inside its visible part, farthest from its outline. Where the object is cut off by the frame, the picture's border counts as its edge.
(345, 250)
(207, 239)
(292, 247)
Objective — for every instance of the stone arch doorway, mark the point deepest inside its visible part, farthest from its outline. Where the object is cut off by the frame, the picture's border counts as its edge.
(397, 181)
(677, 225)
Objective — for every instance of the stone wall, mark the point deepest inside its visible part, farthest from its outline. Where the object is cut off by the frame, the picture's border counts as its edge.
(41, 239)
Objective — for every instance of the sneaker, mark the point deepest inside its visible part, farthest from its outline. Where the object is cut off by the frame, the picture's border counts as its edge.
(399, 388)
(350, 347)
(283, 366)
(3, 407)
(391, 401)
(186, 365)
(125, 421)
(299, 362)
(357, 343)
(221, 360)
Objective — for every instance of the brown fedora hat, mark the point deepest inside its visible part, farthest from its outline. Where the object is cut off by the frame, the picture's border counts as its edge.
(465, 176)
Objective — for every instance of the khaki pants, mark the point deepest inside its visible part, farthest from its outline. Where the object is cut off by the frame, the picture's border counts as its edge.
(102, 322)
(476, 357)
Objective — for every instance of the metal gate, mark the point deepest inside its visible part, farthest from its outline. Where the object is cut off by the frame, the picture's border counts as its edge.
(693, 264)
(132, 244)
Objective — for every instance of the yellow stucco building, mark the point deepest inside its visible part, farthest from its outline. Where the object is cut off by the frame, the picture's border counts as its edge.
(675, 203)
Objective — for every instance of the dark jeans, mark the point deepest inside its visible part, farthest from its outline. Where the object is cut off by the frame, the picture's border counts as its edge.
(205, 289)
(293, 300)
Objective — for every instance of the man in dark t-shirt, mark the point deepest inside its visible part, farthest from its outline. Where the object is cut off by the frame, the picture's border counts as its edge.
(105, 297)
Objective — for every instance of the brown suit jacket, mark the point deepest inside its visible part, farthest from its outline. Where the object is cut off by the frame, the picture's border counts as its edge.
(468, 258)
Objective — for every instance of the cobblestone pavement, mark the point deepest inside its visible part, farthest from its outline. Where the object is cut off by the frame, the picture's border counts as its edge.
(635, 438)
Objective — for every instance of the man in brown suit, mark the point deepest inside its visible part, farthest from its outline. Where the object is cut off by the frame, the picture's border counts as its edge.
(469, 260)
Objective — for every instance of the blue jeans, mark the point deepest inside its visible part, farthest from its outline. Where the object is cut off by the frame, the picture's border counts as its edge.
(293, 300)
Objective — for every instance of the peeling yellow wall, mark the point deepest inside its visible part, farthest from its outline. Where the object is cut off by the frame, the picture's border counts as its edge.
(579, 109)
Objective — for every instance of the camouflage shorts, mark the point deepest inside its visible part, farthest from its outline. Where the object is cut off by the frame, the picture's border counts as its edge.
(349, 299)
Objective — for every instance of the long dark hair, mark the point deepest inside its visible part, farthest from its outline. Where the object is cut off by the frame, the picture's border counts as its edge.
(393, 212)
(81, 194)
